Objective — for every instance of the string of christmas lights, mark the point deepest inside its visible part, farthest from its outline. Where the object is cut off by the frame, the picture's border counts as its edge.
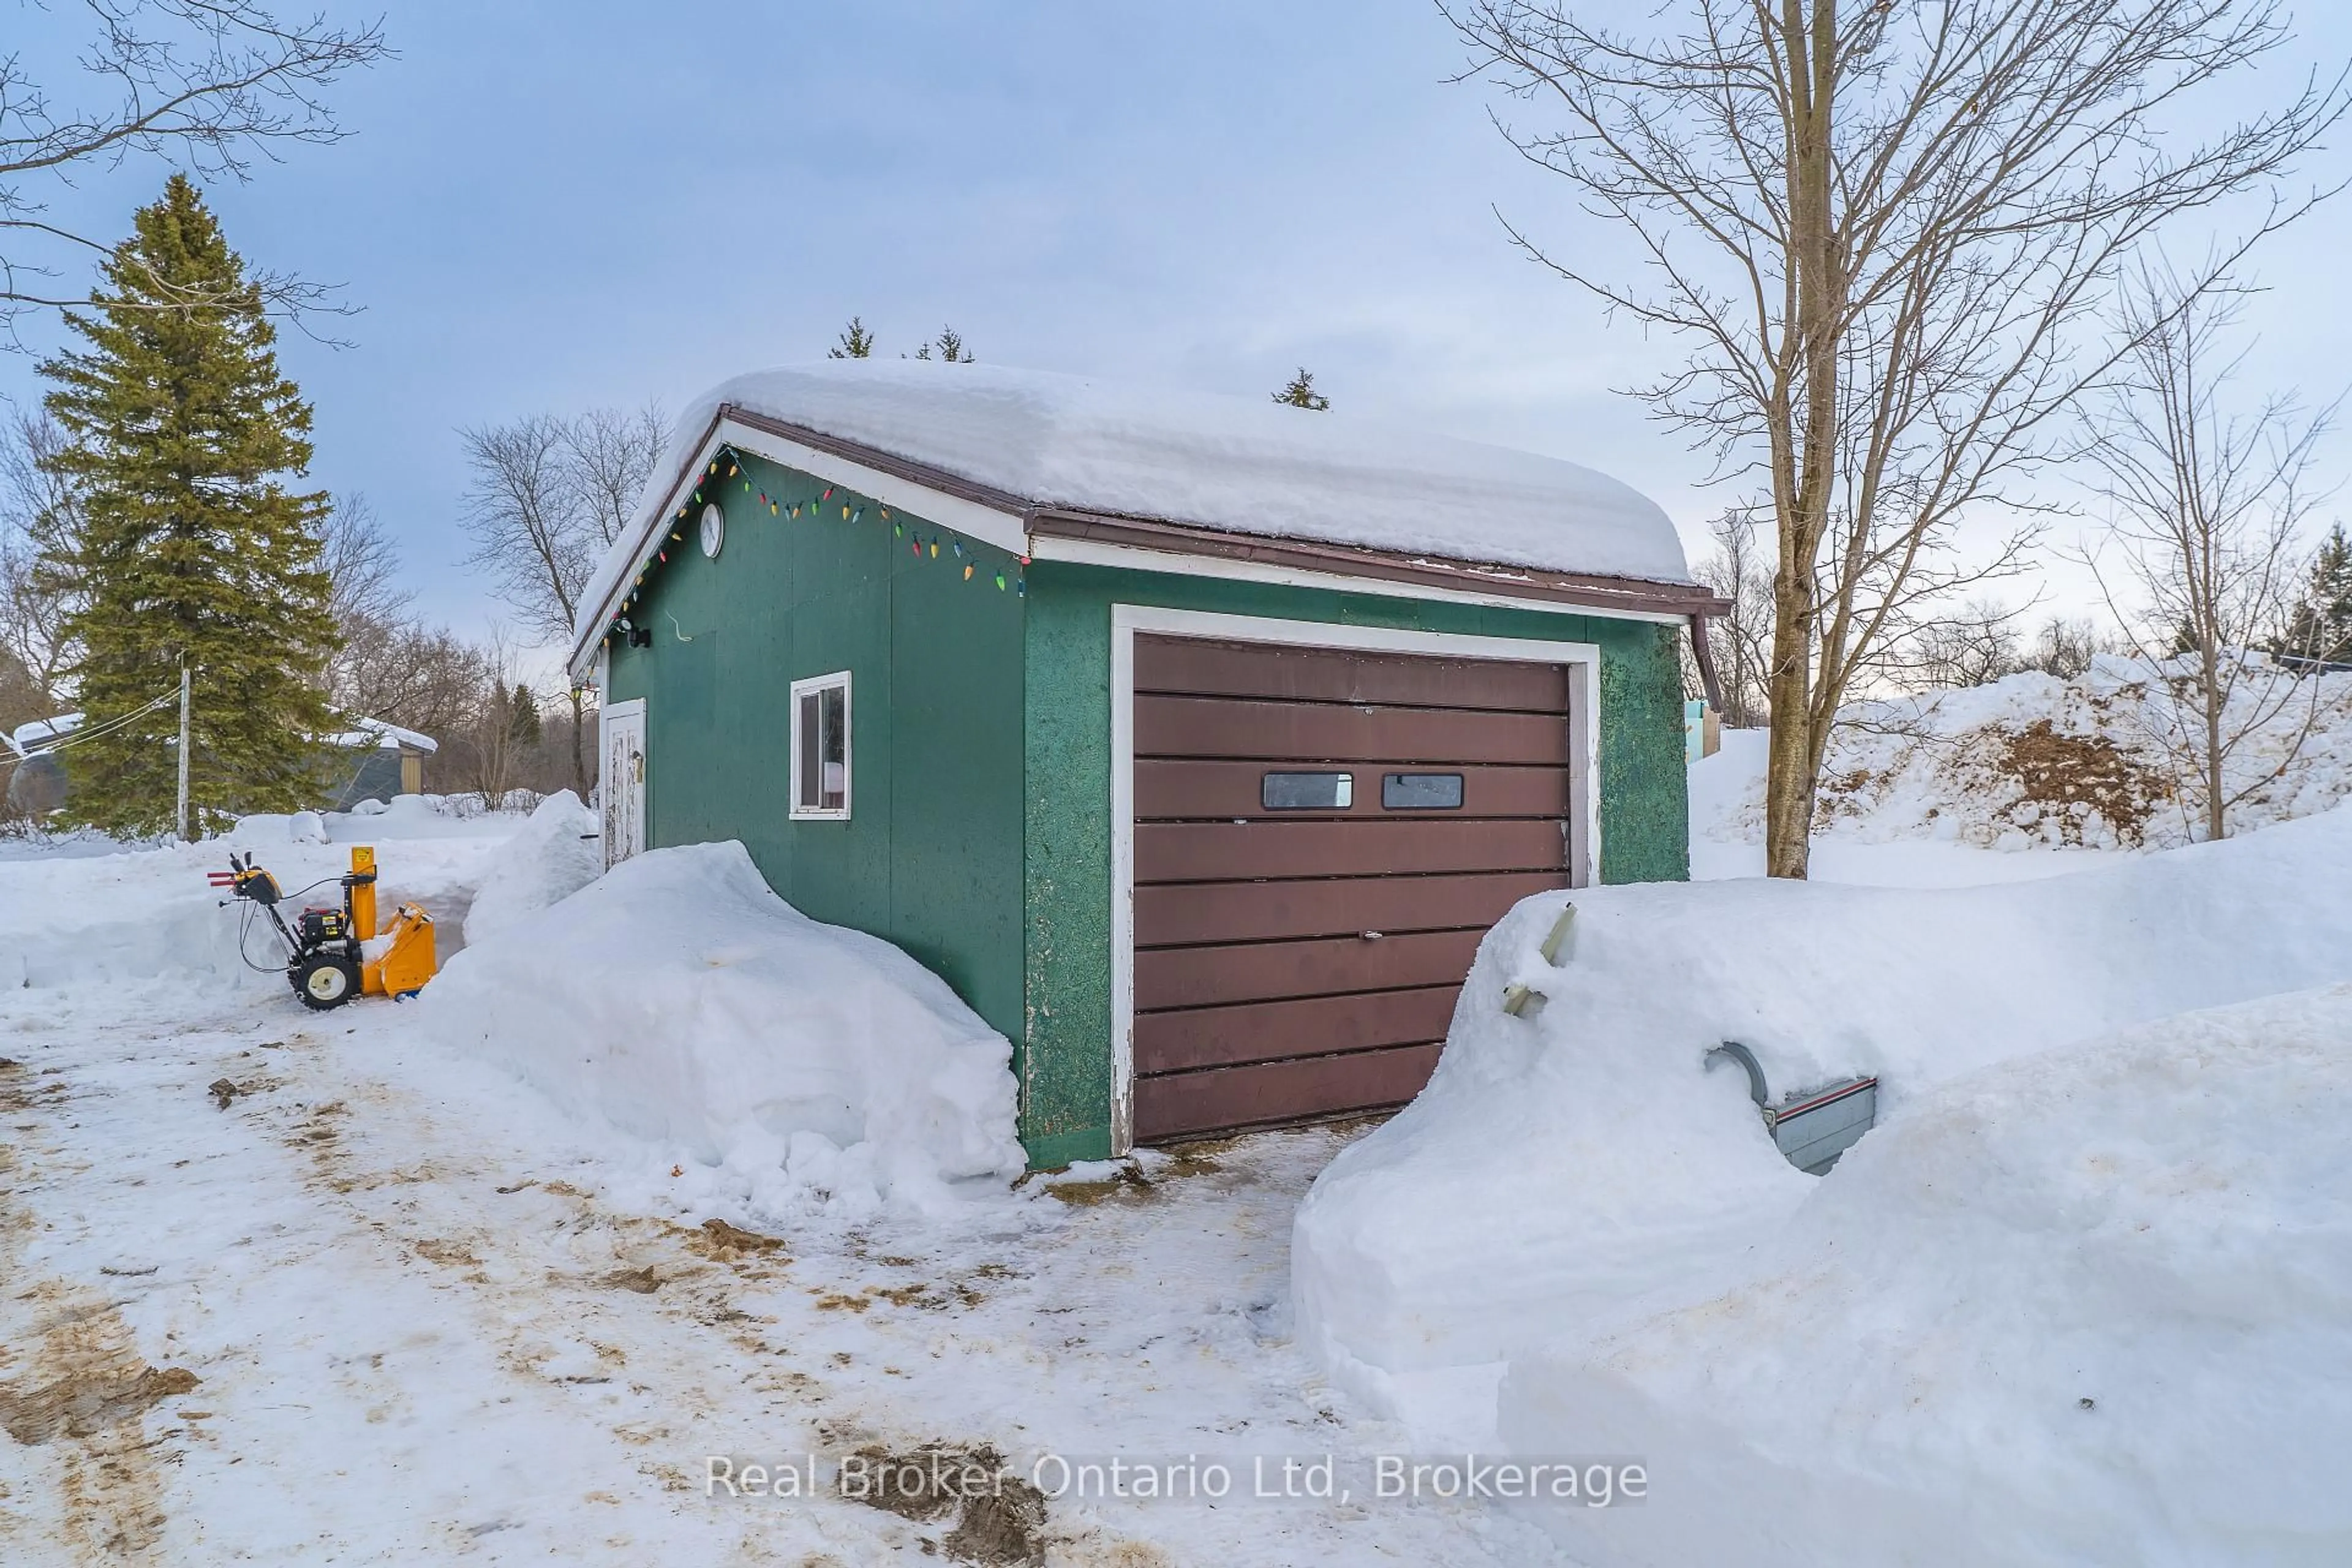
(853, 510)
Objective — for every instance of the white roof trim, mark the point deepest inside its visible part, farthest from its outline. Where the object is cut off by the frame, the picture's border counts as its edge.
(985, 523)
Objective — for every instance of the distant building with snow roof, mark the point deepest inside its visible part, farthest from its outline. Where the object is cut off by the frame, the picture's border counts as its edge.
(372, 761)
(1194, 740)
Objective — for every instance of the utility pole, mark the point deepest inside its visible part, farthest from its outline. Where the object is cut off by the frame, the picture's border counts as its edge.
(180, 809)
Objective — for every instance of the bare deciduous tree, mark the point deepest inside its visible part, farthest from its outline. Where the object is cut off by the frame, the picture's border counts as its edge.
(1741, 573)
(1880, 224)
(1971, 646)
(609, 455)
(494, 742)
(528, 533)
(421, 678)
(2066, 647)
(2209, 499)
(362, 563)
(206, 83)
(35, 506)
(549, 496)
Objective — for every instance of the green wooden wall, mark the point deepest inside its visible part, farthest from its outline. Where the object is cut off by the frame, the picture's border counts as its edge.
(1066, 1090)
(930, 857)
(980, 837)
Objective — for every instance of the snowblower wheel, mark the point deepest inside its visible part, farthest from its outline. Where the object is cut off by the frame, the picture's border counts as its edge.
(323, 981)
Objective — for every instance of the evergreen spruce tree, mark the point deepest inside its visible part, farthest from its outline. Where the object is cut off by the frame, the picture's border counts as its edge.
(2321, 627)
(950, 348)
(856, 342)
(525, 727)
(1301, 393)
(183, 439)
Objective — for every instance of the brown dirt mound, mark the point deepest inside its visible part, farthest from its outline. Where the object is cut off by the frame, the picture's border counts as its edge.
(2059, 771)
(1000, 1519)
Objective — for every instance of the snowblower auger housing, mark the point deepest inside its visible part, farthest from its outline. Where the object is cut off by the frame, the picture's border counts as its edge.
(334, 954)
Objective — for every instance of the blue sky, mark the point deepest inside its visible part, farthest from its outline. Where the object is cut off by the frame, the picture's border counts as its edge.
(550, 206)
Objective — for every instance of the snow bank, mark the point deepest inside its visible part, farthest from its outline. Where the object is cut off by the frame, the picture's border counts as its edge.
(1570, 1170)
(2033, 762)
(402, 816)
(2093, 1306)
(553, 856)
(1236, 463)
(73, 913)
(677, 1001)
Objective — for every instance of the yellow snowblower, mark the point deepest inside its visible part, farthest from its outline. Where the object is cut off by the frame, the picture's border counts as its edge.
(333, 955)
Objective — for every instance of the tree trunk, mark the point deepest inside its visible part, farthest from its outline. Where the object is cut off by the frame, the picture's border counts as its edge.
(1803, 484)
(1789, 771)
(2216, 814)
(579, 756)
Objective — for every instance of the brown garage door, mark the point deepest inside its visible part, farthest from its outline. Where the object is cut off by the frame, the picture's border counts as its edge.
(1296, 956)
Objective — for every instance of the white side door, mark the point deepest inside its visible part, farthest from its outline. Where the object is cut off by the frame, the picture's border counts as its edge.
(622, 778)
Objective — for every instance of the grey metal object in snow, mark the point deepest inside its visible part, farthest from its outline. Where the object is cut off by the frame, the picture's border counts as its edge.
(1815, 1132)
(1813, 1128)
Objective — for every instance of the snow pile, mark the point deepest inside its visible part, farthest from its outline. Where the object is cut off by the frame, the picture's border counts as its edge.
(1572, 1170)
(2095, 1305)
(678, 1001)
(1237, 463)
(402, 816)
(2033, 762)
(555, 854)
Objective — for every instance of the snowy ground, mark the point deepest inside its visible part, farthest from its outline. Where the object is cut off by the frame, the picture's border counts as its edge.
(378, 1308)
(292, 1288)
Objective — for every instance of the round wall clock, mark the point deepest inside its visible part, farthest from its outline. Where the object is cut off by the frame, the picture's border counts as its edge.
(714, 530)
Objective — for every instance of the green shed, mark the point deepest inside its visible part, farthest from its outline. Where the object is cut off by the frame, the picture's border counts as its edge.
(1194, 741)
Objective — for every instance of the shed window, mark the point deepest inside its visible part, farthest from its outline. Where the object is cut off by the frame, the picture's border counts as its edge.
(821, 747)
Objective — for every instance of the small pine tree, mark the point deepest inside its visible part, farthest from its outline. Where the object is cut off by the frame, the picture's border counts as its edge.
(523, 723)
(1301, 393)
(856, 342)
(2321, 626)
(950, 347)
(190, 545)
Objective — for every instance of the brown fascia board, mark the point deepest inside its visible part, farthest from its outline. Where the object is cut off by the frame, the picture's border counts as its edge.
(1581, 590)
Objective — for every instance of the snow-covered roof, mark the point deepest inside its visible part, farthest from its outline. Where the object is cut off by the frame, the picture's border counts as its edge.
(1248, 466)
(366, 733)
(42, 732)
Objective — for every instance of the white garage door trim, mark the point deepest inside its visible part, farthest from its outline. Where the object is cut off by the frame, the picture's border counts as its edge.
(1127, 621)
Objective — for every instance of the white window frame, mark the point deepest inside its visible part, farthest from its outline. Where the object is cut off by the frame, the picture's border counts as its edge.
(800, 689)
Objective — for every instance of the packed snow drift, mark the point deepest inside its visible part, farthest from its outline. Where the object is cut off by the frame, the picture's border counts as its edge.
(1571, 1174)
(677, 1001)
(555, 854)
(2091, 1306)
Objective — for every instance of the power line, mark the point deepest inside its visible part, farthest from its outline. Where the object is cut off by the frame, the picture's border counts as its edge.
(88, 732)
